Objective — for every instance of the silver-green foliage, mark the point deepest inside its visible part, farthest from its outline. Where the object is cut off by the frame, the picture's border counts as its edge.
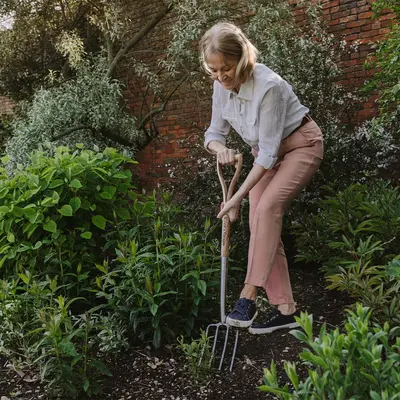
(361, 363)
(85, 109)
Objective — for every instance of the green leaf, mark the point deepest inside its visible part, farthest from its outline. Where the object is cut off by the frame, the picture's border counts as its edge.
(123, 213)
(86, 235)
(24, 278)
(37, 245)
(66, 210)
(47, 201)
(374, 395)
(108, 192)
(2, 261)
(86, 384)
(56, 183)
(30, 212)
(99, 221)
(75, 203)
(202, 285)
(50, 226)
(68, 348)
(10, 237)
(4, 209)
(100, 367)
(76, 184)
(154, 309)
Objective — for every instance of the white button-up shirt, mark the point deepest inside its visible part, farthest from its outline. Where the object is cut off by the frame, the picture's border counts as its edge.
(263, 113)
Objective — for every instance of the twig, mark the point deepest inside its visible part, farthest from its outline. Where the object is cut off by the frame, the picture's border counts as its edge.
(139, 36)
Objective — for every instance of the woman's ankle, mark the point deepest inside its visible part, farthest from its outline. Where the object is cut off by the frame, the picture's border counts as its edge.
(249, 292)
(287, 309)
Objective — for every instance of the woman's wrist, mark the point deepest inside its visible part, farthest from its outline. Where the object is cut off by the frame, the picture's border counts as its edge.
(215, 146)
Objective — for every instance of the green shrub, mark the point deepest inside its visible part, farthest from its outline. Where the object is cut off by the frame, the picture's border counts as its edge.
(349, 224)
(376, 286)
(162, 286)
(88, 265)
(85, 109)
(362, 363)
(55, 214)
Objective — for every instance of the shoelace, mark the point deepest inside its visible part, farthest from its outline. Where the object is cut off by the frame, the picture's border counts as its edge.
(240, 308)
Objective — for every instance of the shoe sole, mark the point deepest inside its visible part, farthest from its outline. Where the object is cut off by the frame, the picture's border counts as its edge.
(240, 324)
(261, 331)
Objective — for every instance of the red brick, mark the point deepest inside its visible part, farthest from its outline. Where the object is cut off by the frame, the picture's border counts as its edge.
(384, 31)
(387, 17)
(365, 15)
(350, 38)
(330, 4)
(366, 27)
(341, 14)
(348, 19)
(358, 23)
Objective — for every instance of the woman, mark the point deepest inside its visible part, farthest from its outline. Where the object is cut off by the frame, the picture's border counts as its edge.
(287, 147)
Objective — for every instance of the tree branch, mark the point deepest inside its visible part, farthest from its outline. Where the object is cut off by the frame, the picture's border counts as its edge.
(139, 36)
(160, 109)
(105, 133)
(71, 130)
(110, 47)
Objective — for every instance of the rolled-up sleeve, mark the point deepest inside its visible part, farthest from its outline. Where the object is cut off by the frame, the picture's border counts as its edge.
(272, 119)
(219, 127)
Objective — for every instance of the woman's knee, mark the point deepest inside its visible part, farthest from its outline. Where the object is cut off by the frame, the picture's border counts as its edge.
(270, 207)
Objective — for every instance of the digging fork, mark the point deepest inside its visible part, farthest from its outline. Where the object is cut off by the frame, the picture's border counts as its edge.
(226, 225)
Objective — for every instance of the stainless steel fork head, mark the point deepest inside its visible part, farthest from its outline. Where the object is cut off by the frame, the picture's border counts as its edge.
(217, 327)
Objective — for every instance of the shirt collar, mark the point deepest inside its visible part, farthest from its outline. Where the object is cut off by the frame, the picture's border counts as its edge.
(246, 89)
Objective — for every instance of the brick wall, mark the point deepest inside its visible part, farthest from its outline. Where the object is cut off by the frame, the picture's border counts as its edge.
(188, 112)
(6, 105)
(348, 20)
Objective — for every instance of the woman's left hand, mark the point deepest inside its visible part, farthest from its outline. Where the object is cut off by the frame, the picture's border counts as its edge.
(231, 208)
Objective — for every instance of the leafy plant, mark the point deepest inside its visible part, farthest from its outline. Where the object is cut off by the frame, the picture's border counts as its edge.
(65, 360)
(349, 224)
(163, 284)
(198, 357)
(361, 363)
(85, 110)
(55, 213)
(385, 63)
(376, 286)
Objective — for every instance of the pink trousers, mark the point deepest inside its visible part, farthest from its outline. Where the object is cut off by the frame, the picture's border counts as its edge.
(299, 157)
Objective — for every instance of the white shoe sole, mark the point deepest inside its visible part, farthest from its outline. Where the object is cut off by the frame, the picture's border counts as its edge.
(261, 331)
(240, 324)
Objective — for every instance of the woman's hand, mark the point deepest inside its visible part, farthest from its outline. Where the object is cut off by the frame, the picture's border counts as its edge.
(231, 208)
(226, 156)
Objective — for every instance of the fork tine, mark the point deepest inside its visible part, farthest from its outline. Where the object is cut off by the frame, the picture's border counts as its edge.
(234, 350)
(224, 348)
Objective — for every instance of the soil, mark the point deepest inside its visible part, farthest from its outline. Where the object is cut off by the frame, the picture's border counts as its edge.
(143, 373)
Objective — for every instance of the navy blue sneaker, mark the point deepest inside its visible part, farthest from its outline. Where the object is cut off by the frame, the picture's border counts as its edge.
(243, 314)
(275, 321)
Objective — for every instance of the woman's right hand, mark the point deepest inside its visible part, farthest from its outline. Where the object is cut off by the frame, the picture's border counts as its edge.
(226, 157)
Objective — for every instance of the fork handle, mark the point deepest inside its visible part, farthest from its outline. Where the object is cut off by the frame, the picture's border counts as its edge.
(227, 194)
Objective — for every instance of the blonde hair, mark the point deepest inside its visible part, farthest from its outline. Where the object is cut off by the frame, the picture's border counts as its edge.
(228, 40)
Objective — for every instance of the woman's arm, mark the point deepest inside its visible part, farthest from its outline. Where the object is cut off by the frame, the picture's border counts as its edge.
(231, 207)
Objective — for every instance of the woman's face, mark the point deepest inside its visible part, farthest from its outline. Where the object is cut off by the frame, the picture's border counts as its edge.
(223, 70)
